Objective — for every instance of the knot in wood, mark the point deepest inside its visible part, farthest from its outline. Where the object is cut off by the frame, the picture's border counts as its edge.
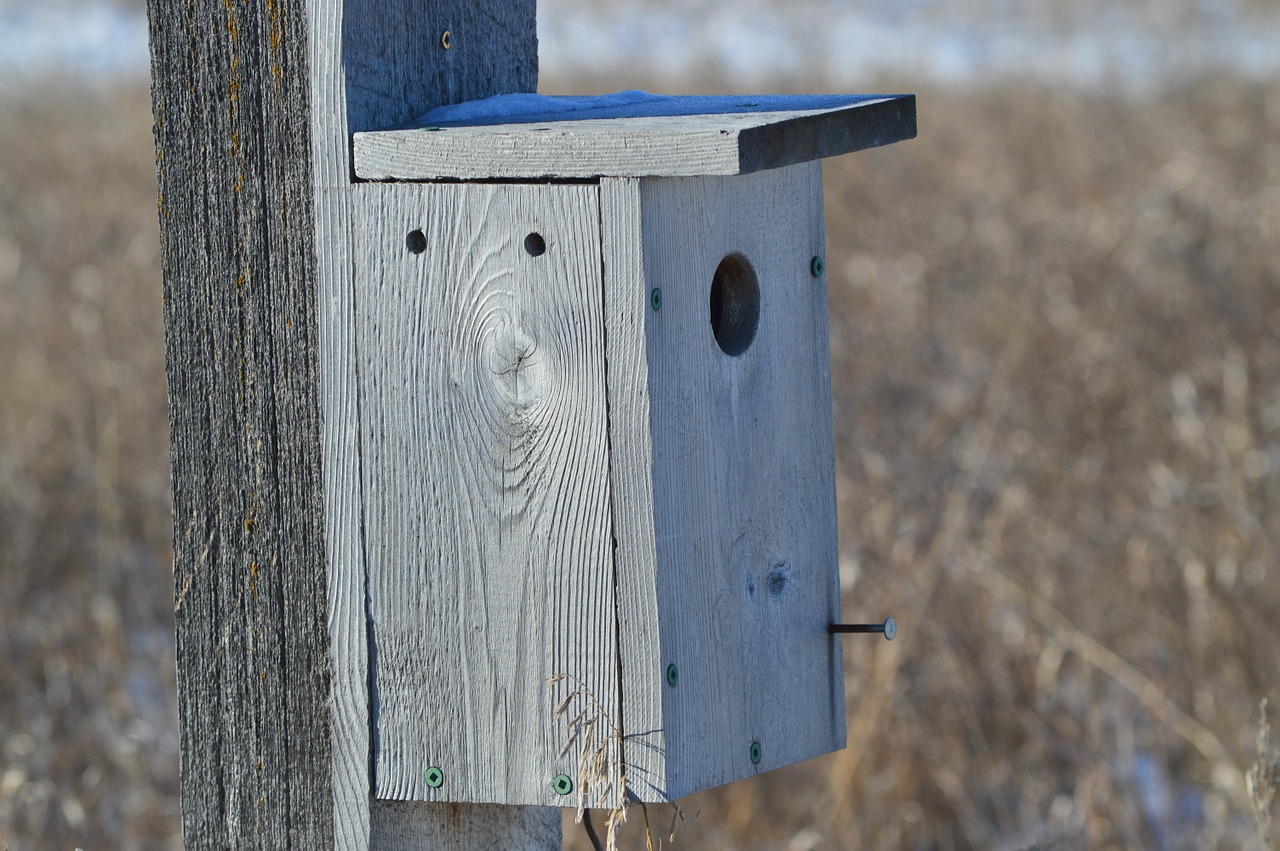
(519, 369)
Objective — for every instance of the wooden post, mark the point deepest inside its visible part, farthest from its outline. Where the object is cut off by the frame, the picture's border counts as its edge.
(255, 104)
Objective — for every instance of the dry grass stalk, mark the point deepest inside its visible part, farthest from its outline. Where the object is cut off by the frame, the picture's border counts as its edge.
(1155, 699)
(1263, 779)
(598, 741)
(599, 744)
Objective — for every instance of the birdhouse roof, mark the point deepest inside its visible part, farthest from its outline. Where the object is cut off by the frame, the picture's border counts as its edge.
(629, 134)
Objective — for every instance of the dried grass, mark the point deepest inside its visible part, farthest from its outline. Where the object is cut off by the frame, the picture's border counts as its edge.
(1264, 779)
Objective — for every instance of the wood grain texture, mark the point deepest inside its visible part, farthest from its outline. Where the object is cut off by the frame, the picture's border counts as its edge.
(742, 557)
(626, 303)
(348, 631)
(397, 68)
(569, 146)
(231, 89)
(485, 459)
(464, 827)
(373, 63)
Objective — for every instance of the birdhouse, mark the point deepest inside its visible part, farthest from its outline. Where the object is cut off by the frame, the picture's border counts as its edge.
(597, 471)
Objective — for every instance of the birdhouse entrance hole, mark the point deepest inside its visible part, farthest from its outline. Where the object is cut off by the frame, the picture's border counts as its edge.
(735, 304)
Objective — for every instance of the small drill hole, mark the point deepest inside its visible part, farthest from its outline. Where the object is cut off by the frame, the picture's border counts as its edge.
(416, 241)
(535, 245)
(735, 304)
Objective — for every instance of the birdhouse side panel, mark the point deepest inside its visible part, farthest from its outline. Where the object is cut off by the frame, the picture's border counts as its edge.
(739, 391)
(486, 492)
(628, 305)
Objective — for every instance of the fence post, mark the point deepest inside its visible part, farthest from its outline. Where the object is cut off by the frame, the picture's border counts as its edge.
(254, 106)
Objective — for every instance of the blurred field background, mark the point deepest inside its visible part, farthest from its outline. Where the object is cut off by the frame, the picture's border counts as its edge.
(1056, 366)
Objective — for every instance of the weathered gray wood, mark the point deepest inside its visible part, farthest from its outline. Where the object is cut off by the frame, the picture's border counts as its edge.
(626, 303)
(465, 827)
(374, 63)
(485, 447)
(231, 90)
(395, 65)
(663, 138)
(744, 576)
(348, 633)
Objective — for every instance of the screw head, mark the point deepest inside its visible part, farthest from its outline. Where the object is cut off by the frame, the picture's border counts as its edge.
(655, 299)
(673, 675)
(434, 777)
(890, 628)
(562, 784)
(446, 39)
(755, 753)
(817, 266)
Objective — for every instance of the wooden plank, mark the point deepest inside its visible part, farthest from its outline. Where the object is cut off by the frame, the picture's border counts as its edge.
(746, 576)
(348, 633)
(627, 308)
(485, 452)
(465, 827)
(395, 65)
(375, 63)
(236, 215)
(663, 138)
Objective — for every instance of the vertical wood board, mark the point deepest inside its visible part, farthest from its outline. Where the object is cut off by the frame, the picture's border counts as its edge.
(371, 64)
(348, 633)
(486, 493)
(743, 478)
(397, 67)
(627, 308)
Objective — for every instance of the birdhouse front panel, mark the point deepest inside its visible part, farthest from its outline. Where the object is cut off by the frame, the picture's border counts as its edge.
(732, 671)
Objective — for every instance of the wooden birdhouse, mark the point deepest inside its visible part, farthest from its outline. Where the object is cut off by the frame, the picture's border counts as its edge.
(501, 436)
(595, 420)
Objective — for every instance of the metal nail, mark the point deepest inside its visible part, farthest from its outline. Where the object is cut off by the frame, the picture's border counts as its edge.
(655, 299)
(817, 266)
(673, 675)
(888, 629)
(755, 753)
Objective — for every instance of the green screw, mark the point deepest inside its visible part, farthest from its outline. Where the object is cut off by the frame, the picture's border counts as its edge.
(434, 777)
(562, 784)
(655, 299)
(755, 753)
(673, 675)
(817, 266)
